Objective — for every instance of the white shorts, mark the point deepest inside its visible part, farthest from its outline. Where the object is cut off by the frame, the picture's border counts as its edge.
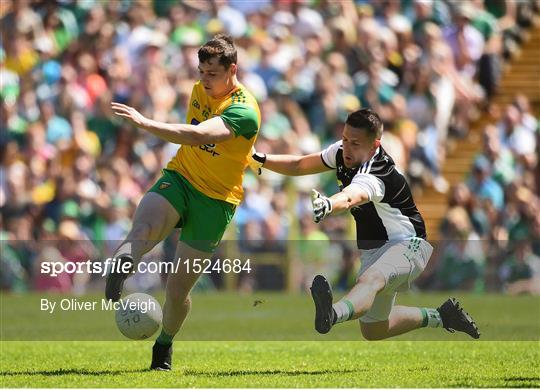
(400, 263)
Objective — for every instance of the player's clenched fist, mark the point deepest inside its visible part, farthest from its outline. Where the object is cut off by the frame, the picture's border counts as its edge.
(322, 206)
(256, 161)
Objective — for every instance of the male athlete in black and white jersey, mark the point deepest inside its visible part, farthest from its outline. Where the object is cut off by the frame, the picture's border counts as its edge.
(390, 231)
(391, 214)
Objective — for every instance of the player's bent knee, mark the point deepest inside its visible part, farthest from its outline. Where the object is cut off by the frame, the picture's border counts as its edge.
(372, 278)
(374, 331)
(187, 301)
(181, 303)
(178, 295)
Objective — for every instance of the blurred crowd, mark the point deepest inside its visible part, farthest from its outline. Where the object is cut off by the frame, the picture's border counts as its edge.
(492, 228)
(73, 172)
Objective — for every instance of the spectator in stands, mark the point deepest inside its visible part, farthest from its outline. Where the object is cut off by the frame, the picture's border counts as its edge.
(489, 67)
(517, 137)
(466, 42)
(461, 196)
(461, 264)
(500, 158)
(346, 275)
(520, 273)
(312, 251)
(481, 183)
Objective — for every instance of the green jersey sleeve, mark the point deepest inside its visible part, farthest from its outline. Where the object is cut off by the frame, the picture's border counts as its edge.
(242, 119)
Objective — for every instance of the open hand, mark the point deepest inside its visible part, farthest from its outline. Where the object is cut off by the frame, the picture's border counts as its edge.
(132, 115)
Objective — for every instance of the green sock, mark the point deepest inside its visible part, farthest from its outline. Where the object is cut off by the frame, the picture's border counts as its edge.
(430, 318)
(164, 338)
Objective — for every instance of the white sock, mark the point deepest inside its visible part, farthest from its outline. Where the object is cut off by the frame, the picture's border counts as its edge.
(431, 318)
(344, 310)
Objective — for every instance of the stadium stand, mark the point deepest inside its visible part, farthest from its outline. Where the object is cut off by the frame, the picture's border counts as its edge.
(439, 73)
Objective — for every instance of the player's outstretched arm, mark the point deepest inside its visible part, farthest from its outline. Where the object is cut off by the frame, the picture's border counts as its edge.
(349, 197)
(287, 164)
(211, 131)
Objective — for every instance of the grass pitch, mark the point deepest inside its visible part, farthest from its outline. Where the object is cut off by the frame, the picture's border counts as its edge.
(273, 364)
(409, 361)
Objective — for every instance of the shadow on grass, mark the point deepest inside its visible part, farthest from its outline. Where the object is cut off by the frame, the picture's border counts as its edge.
(232, 373)
(266, 372)
(523, 381)
(71, 371)
(522, 378)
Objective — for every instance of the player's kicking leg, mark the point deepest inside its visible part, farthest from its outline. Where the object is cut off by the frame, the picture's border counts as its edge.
(198, 240)
(383, 320)
(358, 301)
(387, 270)
(154, 219)
(403, 319)
(177, 305)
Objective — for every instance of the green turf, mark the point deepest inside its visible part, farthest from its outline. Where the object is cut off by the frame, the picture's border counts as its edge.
(229, 316)
(273, 364)
(423, 358)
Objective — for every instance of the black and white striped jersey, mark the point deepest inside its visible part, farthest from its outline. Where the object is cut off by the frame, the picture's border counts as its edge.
(391, 214)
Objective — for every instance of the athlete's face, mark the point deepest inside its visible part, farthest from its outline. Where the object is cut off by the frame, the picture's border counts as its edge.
(216, 80)
(358, 147)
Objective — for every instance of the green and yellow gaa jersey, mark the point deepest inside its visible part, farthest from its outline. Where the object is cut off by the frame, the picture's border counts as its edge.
(217, 170)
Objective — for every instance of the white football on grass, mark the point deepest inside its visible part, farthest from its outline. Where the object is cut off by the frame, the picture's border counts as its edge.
(138, 316)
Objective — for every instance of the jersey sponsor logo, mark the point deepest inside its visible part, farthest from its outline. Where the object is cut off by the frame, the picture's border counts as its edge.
(164, 184)
(206, 112)
(196, 104)
(209, 148)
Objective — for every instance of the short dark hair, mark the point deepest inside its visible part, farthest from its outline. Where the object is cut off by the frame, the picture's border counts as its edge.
(367, 120)
(221, 46)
